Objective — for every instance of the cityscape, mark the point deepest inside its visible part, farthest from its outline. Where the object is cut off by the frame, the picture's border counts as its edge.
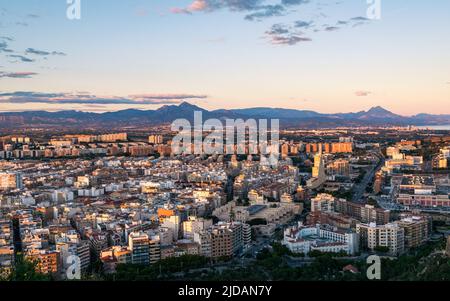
(228, 142)
(118, 202)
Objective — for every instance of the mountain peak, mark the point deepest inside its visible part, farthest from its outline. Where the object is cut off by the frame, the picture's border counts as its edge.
(378, 109)
(186, 104)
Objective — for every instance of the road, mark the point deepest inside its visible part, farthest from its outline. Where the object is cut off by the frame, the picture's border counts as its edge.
(297, 262)
(360, 189)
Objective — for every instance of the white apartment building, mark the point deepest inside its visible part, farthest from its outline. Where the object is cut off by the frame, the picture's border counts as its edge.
(323, 238)
(323, 202)
(391, 236)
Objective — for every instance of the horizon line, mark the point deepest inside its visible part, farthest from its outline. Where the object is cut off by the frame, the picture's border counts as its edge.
(99, 112)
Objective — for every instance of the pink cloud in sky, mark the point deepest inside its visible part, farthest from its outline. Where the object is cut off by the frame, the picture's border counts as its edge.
(362, 93)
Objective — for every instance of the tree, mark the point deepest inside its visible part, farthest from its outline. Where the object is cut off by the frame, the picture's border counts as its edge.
(381, 249)
(26, 270)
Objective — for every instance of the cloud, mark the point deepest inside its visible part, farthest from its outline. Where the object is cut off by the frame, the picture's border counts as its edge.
(42, 52)
(86, 98)
(331, 28)
(213, 5)
(280, 34)
(266, 12)
(278, 29)
(259, 8)
(155, 97)
(21, 58)
(303, 24)
(198, 5)
(4, 47)
(364, 19)
(9, 39)
(362, 93)
(177, 10)
(288, 40)
(294, 2)
(17, 74)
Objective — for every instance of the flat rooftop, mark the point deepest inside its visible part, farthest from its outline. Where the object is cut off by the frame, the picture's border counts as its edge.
(418, 181)
(255, 209)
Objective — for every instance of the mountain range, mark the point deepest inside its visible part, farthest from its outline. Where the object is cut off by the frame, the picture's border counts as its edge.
(376, 116)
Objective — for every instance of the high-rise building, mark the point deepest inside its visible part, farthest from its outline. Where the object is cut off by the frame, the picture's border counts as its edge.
(285, 150)
(323, 202)
(203, 239)
(195, 225)
(318, 169)
(340, 167)
(417, 230)
(173, 223)
(318, 172)
(342, 147)
(228, 239)
(154, 249)
(139, 244)
(221, 242)
(390, 236)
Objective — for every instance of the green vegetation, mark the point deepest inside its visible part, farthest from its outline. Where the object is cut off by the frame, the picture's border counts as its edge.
(25, 270)
(161, 270)
(381, 249)
(315, 254)
(425, 263)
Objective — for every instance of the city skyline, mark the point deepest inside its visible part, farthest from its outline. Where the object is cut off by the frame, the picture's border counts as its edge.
(325, 56)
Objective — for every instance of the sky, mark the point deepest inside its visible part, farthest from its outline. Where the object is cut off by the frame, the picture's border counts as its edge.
(326, 56)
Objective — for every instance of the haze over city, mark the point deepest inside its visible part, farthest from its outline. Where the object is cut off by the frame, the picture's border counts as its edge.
(325, 56)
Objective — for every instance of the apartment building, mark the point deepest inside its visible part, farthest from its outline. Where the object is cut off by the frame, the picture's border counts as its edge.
(340, 167)
(139, 245)
(195, 225)
(417, 230)
(204, 240)
(364, 213)
(154, 249)
(323, 202)
(323, 238)
(422, 191)
(10, 180)
(47, 262)
(228, 239)
(391, 236)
